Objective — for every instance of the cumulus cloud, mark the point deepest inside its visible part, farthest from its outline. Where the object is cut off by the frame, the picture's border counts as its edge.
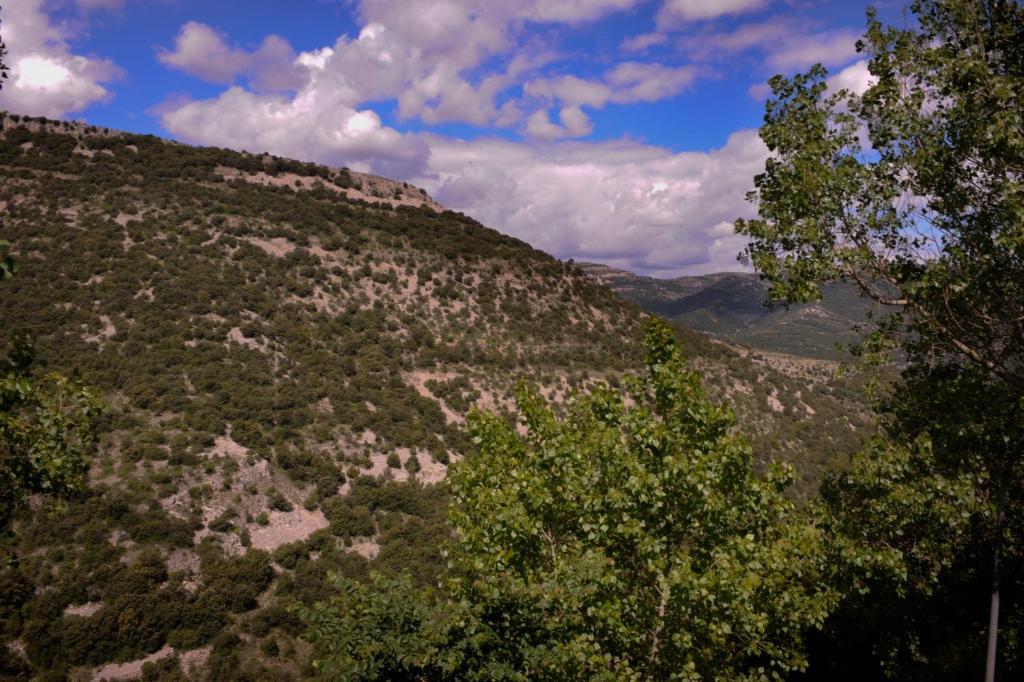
(202, 52)
(642, 82)
(785, 43)
(856, 78)
(46, 78)
(626, 83)
(89, 5)
(572, 11)
(630, 205)
(675, 13)
(641, 42)
(430, 58)
(827, 47)
(318, 124)
(574, 123)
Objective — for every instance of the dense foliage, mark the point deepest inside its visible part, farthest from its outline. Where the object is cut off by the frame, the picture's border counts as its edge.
(629, 539)
(635, 542)
(47, 431)
(912, 192)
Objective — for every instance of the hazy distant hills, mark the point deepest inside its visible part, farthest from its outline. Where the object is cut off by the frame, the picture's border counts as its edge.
(730, 306)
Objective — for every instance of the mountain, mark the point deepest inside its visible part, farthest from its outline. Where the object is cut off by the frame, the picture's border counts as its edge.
(287, 352)
(730, 306)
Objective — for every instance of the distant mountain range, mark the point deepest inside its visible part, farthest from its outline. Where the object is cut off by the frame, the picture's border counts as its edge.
(731, 306)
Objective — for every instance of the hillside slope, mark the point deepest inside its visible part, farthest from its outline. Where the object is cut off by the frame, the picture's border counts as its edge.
(288, 352)
(730, 306)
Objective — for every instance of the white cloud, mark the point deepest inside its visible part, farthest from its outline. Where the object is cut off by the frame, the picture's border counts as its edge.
(641, 42)
(539, 125)
(318, 123)
(202, 52)
(856, 78)
(712, 44)
(570, 89)
(786, 44)
(426, 55)
(573, 11)
(675, 13)
(827, 47)
(623, 203)
(626, 83)
(46, 78)
(644, 82)
(574, 123)
(89, 5)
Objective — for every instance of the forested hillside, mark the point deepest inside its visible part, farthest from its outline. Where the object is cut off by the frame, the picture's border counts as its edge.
(287, 353)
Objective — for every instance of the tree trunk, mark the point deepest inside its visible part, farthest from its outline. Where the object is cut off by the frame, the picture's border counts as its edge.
(993, 615)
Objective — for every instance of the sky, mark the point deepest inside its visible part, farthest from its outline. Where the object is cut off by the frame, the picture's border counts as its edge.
(615, 131)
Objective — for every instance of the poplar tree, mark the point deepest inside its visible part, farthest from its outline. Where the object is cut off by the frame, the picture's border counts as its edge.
(913, 191)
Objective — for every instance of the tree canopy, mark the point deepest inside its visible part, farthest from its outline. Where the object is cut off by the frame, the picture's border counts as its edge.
(626, 539)
(912, 191)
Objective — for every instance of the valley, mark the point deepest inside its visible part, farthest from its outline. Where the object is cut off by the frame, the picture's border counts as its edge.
(731, 306)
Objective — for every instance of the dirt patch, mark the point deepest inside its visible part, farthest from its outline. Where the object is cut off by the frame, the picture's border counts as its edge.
(432, 471)
(285, 527)
(226, 446)
(192, 662)
(195, 660)
(130, 670)
(183, 560)
(105, 333)
(18, 648)
(84, 610)
(123, 218)
(277, 246)
(235, 334)
(368, 549)
(379, 464)
(419, 379)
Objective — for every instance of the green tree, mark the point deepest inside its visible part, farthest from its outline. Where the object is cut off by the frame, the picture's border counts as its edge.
(47, 431)
(913, 192)
(47, 425)
(627, 539)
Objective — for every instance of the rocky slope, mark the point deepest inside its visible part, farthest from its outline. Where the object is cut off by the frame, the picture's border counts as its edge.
(288, 352)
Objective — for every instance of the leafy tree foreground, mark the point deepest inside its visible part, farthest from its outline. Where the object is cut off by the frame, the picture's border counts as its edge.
(626, 539)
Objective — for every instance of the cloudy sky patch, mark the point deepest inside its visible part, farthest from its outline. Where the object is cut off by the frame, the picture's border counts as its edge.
(620, 131)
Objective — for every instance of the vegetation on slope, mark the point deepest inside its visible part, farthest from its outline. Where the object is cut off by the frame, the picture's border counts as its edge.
(288, 361)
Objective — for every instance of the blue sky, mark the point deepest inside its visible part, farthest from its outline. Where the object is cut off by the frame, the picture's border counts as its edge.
(620, 131)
